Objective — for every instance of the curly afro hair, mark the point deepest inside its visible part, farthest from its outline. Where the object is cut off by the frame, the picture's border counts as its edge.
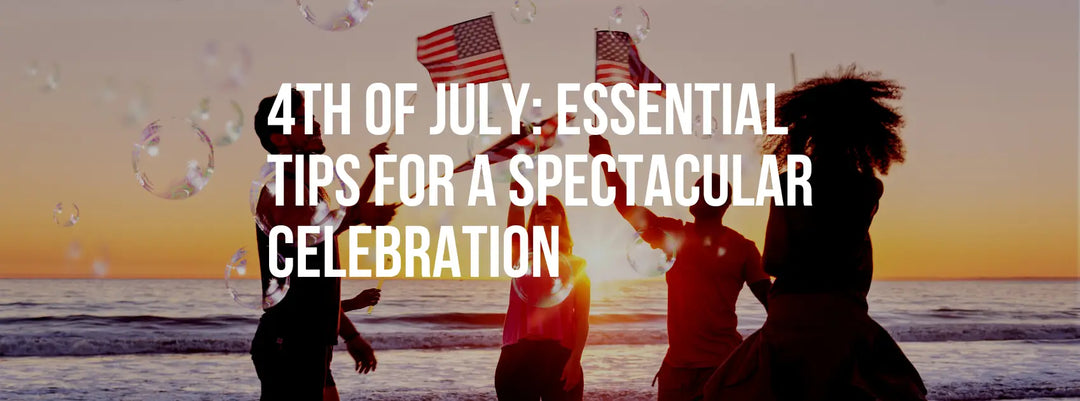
(844, 119)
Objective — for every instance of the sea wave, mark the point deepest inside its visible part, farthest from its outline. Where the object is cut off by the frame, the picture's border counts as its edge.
(126, 341)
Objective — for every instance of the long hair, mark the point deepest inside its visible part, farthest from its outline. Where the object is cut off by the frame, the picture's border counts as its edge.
(845, 119)
(566, 243)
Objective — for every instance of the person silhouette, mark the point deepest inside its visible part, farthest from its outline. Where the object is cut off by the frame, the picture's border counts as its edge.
(713, 261)
(818, 342)
(292, 346)
(543, 341)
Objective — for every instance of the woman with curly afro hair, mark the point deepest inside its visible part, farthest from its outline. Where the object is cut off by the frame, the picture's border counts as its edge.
(818, 342)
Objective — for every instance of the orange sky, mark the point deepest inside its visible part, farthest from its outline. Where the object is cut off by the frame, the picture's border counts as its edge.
(989, 188)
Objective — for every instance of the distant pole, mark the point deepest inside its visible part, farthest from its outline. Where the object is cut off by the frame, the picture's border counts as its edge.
(794, 72)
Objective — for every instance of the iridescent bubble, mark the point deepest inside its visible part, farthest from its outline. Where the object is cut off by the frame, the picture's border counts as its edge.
(334, 15)
(650, 260)
(52, 81)
(637, 25)
(74, 250)
(226, 69)
(177, 152)
(138, 107)
(108, 91)
(539, 289)
(225, 125)
(65, 219)
(246, 290)
(51, 75)
(325, 213)
(522, 13)
(100, 265)
(533, 115)
(33, 69)
(699, 129)
(615, 17)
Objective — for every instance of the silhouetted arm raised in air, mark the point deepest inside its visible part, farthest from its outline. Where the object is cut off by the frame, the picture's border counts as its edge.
(364, 212)
(643, 220)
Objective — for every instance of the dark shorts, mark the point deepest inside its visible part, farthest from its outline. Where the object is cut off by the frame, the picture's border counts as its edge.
(682, 384)
(532, 371)
(291, 371)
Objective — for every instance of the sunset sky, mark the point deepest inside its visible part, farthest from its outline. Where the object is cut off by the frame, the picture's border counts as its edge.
(989, 188)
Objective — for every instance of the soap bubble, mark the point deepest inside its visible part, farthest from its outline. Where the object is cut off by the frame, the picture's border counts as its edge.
(138, 107)
(699, 129)
(63, 219)
(246, 290)
(641, 24)
(326, 213)
(646, 259)
(74, 250)
(544, 291)
(108, 91)
(226, 125)
(522, 13)
(100, 266)
(167, 150)
(51, 76)
(336, 15)
(226, 69)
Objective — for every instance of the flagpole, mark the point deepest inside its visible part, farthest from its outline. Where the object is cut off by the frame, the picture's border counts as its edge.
(595, 123)
(794, 74)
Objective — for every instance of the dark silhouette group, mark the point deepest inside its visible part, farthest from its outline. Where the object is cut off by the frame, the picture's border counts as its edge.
(813, 275)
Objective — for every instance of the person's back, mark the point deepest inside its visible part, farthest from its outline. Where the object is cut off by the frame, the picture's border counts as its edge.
(309, 313)
(818, 342)
(824, 247)
(703, 286)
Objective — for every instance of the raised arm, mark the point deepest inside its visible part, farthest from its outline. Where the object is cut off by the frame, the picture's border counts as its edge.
(642, 219)
(515, 216)
(364, 212)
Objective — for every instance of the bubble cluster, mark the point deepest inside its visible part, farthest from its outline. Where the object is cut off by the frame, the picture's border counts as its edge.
(334, 17)
(522, 13)
(325, 213)
(640, 22)
(648, 259)
(225, 125)
(544, 291)
(226, 69)
(51, 76)
(65, 219)
(177, 152)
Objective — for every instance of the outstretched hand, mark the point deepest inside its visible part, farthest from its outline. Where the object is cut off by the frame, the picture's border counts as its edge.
(598, 145)
(366, 298)
(362, 353)
(571, 375)
(380, 149)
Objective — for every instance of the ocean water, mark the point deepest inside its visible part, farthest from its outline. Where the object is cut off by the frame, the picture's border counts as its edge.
(438, 340)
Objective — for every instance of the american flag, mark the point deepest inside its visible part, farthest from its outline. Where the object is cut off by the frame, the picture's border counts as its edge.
(617, 60)
(521, 143)
(468, 52)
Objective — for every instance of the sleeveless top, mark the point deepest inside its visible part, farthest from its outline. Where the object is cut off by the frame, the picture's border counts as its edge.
(530, 321)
